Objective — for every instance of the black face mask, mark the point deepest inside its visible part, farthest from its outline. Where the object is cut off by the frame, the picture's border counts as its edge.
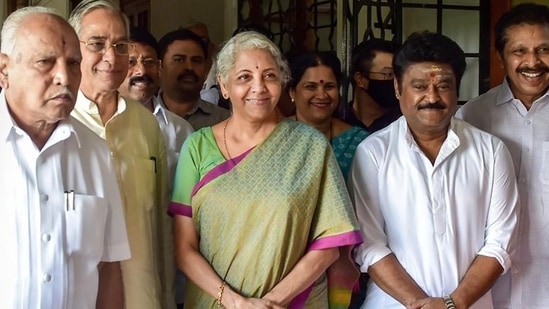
(383, 92)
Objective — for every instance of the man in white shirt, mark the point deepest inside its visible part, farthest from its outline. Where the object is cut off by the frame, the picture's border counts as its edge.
(435, 197)
(517, 111)
(61, 217)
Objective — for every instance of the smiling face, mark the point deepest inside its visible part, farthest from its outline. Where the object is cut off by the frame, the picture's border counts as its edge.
(316, 95)
(526, 61)
(43, 70)
(428, 97)
(102, 72)
(253, 85)
(143, 79)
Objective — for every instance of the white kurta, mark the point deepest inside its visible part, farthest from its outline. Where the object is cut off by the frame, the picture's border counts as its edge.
(436, 218)
(50, 247)
(175, 130)
(526, 134)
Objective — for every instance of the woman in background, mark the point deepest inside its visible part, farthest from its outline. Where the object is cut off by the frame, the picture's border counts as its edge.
(259, 203)
(315, 91)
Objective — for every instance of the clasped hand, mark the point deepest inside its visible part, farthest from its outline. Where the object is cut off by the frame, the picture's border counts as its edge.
(428, 303)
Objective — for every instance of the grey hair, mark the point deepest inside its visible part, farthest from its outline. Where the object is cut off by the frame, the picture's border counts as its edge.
(13, 22)
(247, 40)
(86, 6)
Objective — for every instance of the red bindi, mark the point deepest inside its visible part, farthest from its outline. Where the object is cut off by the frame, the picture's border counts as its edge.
(322, 81)
(433, 74)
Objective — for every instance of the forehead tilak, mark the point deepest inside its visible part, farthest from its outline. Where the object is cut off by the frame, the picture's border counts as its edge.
(435, 70)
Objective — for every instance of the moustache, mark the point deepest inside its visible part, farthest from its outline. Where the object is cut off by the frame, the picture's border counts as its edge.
(538, 68)
(141, 79)
(187, 74)
(64, 93)
(435, 105)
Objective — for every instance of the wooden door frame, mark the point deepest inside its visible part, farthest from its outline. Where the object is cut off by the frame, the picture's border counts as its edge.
(497, 8)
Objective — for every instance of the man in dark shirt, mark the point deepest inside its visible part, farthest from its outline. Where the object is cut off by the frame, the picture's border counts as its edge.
(374, 104)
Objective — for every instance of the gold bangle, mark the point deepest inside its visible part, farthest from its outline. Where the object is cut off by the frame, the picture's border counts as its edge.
(220, 295)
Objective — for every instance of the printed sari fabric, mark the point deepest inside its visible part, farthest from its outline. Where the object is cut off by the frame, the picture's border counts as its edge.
(256, 215)
(344, 146)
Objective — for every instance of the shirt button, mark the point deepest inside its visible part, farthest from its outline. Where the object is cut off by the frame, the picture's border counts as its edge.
(522, 180)
(528, 122)
(515, 270)
(46, 237)
(44, 198)
(46, 277)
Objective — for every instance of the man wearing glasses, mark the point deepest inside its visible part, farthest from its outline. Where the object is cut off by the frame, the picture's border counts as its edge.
(136, 146)
(374, 104)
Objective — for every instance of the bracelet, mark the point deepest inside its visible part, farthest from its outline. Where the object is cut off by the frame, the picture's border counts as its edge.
(449, 302)
(220, 295)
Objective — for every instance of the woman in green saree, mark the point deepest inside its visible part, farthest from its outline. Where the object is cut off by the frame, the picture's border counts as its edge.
(259, 204)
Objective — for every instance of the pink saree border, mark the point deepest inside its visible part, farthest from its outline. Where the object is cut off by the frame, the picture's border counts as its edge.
(219, 170)
(340, 240)
(175, 208)
(180, 209)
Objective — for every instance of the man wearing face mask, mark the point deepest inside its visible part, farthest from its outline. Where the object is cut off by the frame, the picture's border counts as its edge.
(374, 104)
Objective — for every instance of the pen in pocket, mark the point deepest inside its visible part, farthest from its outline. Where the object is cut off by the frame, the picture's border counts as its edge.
(69, 200)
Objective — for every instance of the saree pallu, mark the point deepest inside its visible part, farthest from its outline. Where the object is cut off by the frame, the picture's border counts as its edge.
(257, 215)
(343, 274)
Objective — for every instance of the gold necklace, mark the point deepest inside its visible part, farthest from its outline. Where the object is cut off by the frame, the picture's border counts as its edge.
(225, 139)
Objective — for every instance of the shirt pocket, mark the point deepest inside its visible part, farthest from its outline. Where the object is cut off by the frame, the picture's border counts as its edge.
(139, 183)
(85, 222)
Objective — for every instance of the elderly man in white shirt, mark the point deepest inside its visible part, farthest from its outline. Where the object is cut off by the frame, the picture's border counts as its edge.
(436, 198)
(517, 111)
(61, 217)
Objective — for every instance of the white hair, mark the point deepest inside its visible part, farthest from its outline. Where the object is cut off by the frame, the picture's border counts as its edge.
(247, 40)
(11, 25)
(86, 6)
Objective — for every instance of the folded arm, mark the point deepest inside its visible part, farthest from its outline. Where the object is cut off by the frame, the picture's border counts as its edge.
(111, 290)
(307, 270)
(479, 279)
(198, 269)
(392, 278)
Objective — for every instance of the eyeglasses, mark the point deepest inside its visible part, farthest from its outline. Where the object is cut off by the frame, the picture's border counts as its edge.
(386, 75)
(146, 62)
(101, 47)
